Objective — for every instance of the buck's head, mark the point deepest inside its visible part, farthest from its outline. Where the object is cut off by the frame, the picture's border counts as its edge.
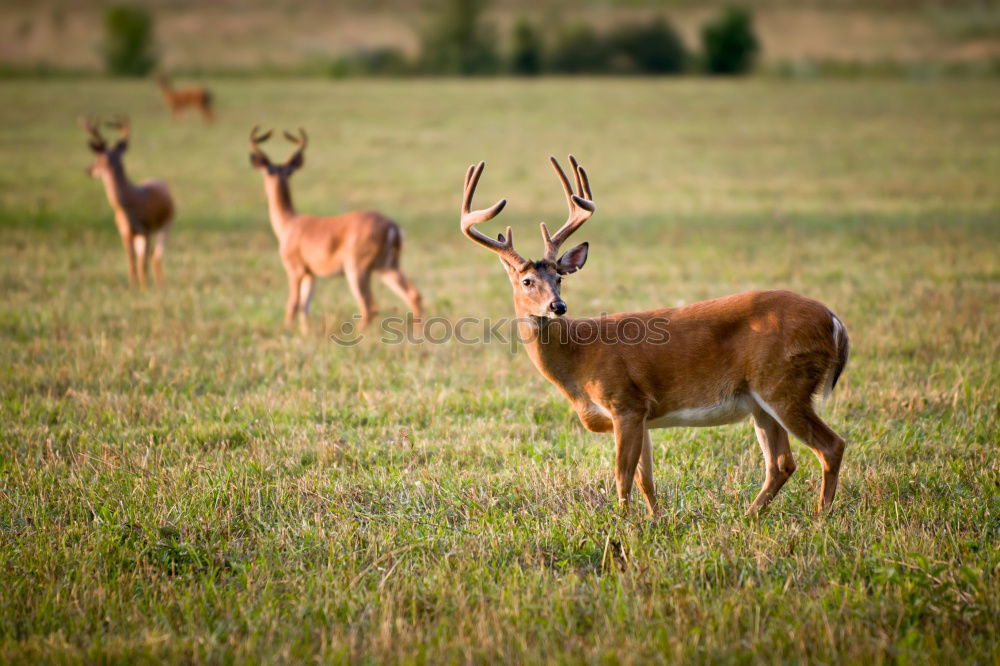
(107, 158)
(282, 171)
(537, 284)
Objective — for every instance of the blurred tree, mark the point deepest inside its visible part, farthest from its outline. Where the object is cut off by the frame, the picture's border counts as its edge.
(729, 42)
(385, 61)
(128, 45)
(579, 49)
(649, 48)
(528, 52)
(458, 42)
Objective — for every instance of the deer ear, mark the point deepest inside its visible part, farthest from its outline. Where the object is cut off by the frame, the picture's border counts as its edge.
(121, 146)
(297, 160)
(257, 161)
(96, 147)
(573, 260)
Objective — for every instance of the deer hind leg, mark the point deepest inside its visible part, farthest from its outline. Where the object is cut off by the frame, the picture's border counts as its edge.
(644, 474)
(360, 283)
(395, 280)
(305, 300)
(799, 419)
(630, 435)
(778, 461)
(159, 245)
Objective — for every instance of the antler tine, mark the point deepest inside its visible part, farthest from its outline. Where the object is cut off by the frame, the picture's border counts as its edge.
(301, 141)
(87, 124)
(581, 207)
(121, 124)
(582, 182)
(256, 139)
(92, 126)
(470, 218)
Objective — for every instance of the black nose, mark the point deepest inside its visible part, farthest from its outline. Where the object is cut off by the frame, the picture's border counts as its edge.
(558, 307)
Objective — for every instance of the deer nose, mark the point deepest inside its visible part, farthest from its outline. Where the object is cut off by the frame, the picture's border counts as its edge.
(558, 307)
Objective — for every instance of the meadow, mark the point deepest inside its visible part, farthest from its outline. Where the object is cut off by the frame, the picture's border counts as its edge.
(182, 480)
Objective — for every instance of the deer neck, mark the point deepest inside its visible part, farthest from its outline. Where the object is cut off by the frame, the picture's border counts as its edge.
(550, 347)
(117, 186)
(279, 205)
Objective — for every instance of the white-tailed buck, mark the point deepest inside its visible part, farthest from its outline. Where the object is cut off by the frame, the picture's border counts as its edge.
(355, 244)
(179, 99)
(763, 354)
(143, 212)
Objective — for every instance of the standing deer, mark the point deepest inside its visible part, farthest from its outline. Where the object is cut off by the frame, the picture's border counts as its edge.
(356, 243)
(761, 353)
(179, 99)
(143, 212)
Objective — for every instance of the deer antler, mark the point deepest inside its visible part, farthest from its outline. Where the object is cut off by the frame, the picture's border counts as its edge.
(503, 247)
(301, 141)
(121, 124)
(256, 139)
(581, 207)
(92, 126)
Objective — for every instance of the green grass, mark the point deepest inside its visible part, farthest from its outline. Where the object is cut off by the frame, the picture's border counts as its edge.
(182, 481)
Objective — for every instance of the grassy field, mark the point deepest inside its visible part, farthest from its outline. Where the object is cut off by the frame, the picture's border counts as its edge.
(181, 480)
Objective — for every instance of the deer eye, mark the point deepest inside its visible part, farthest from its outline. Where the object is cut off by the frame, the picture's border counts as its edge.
(526, 282)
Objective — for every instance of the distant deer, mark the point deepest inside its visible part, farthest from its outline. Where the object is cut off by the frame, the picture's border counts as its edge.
(355, 244)
(179, 99)
(143, 212)
(763, 354)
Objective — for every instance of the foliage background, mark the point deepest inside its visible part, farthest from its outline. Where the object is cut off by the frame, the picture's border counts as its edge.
(798, 37)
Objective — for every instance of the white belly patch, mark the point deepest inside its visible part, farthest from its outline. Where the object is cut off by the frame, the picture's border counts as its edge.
(727, 411)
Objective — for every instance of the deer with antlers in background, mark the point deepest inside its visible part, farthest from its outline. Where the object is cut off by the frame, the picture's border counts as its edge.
(178, 99)
(763, 354)
(356, 244)
(143, 212)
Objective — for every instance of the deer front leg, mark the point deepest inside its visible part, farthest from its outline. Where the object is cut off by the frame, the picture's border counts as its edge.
(130, 255)
(630, 434)
(141, 257)
(644, 474)
(305, 298)
(294, 279)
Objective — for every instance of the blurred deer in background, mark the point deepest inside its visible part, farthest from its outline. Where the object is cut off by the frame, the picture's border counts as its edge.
(763, 354)
(143, 212)
(355, 244)
(179, 99)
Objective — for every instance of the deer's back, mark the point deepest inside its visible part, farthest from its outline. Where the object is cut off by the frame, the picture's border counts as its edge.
(360, 238)
(717, 349)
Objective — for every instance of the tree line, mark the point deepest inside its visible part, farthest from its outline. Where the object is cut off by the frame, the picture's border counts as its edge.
(458, 41)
